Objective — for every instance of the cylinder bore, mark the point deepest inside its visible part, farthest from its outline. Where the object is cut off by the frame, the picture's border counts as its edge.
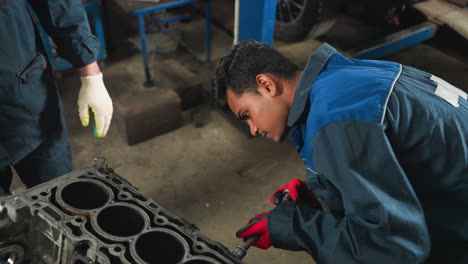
(159, 247)
(121, 221)
(84, 195)
(11, 254)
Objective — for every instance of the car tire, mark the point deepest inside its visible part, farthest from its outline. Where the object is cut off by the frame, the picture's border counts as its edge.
(296, 19)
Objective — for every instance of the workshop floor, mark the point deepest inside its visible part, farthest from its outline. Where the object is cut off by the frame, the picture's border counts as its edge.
(214, 176)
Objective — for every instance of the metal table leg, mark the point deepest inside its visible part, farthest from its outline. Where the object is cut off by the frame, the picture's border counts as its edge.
(141, 28)
(208, 31)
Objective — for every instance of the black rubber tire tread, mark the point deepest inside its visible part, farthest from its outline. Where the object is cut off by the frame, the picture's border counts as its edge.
(317, 18)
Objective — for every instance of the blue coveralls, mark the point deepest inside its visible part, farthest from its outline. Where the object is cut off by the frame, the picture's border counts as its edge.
(33, 134)
(386, 150)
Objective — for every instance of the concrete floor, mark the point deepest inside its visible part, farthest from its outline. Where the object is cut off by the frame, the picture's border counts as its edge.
(214, 176)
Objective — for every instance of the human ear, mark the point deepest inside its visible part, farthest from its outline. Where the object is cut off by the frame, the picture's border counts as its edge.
(266, 85)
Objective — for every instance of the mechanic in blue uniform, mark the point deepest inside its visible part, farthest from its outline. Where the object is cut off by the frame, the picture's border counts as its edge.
(386, 151)
(33, 134)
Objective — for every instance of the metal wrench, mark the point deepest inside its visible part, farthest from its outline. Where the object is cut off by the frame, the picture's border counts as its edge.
(241, 250)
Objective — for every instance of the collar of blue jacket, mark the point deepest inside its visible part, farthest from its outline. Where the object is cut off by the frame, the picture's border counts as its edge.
(312, 69)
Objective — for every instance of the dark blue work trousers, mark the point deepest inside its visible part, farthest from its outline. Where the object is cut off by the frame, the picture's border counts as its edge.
(37, 167)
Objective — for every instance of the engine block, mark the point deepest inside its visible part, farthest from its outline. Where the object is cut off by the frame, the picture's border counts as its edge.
(93, 215)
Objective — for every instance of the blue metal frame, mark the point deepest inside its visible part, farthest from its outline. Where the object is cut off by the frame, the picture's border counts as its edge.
(92, 9)
(257, 20)
(140, 14)
(399, 41)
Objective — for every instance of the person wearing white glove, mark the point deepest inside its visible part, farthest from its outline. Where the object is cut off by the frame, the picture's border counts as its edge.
(33, 131)
(94, 96)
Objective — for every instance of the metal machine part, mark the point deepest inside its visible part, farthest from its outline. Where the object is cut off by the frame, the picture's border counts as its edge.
(298, 19)
(94, 216)
(241, 250)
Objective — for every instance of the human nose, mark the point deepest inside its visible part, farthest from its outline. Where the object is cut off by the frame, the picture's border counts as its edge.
(253, 128)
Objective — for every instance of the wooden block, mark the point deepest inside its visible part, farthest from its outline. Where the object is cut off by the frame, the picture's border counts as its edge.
(185, 83)
(148, 113)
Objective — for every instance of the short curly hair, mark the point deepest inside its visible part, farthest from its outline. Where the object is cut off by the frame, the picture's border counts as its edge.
(239, 67)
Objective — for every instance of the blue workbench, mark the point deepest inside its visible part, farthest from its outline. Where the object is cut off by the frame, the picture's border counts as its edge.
(148, 11)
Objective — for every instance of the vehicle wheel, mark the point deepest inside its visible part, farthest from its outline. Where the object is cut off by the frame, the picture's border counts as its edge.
(297, 18)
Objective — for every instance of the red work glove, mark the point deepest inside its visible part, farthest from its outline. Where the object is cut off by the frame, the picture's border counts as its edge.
(298, 191)
(257, 226)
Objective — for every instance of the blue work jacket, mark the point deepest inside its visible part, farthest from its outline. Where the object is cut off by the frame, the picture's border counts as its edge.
(30, 109)
(386, 150)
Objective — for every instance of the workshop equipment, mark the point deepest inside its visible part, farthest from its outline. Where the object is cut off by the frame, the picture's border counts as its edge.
(281, 196)
(241, 250)
(290, 14)
(149, 11)
(95, 216)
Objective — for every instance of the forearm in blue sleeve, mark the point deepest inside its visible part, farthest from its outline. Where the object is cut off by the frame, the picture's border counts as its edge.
(66, 22)
(383, 220)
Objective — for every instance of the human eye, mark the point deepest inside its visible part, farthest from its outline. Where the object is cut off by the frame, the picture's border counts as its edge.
(244, 116)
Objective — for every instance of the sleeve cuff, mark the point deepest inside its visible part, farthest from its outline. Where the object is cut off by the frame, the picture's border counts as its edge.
(280, 227)
(81, 52)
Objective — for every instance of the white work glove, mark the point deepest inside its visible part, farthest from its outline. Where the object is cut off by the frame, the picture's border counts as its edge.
(93, 94)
